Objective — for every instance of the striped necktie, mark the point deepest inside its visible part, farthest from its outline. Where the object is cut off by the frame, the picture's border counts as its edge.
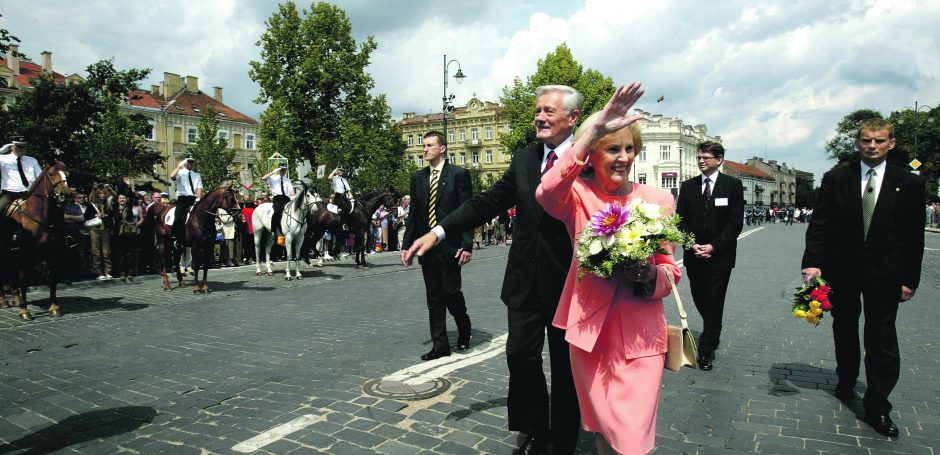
(868, 200)
(432, 200)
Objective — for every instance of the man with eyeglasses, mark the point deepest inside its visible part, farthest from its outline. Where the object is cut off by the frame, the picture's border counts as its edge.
(712, 209)
(75, 218)
(866, 238)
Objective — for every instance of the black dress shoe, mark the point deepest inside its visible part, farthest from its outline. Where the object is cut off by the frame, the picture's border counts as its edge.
(532, 446)
(705, 364)
(845, 393)
(432, 354)
(882, 423)
(464, 344)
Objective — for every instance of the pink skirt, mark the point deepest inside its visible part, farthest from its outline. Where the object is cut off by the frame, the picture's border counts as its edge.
(618, 397)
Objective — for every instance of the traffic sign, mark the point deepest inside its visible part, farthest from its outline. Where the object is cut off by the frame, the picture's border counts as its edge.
(914, 164)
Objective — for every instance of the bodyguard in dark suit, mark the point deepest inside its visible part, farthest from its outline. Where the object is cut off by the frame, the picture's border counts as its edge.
(866, 237)
(535, 274)
(436, 191)
(712, 208)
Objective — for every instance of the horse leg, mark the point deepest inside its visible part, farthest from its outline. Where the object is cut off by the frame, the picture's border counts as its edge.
(205, 273)
(258, 238)
(4, 303)
(267, 253)
(288, 253)
(196, 263)
(24, 308)
(54, 310)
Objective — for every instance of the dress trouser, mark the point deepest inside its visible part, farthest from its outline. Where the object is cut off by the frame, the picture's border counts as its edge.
(709, 286)
(278, 203)
(183, 203)
(530, 410)
(882, 356)
(442, 285)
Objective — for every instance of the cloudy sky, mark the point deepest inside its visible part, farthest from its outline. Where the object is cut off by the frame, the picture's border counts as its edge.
(772, 78)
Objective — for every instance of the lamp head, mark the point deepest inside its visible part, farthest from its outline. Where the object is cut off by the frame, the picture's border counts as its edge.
(459, 77)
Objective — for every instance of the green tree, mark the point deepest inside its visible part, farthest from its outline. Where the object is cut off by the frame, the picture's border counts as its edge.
(6, 39)
(213, 157)
(312, 74)
(926, 124)
(557, 68)
(80, 124)
(841, 148)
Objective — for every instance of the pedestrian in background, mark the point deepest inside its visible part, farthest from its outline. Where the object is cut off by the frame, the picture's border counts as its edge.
(711, 206)
(99, 234)
(866, 238)
(124, 235)
(75, 229)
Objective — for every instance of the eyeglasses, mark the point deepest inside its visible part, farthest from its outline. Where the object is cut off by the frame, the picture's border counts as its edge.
(704, 158)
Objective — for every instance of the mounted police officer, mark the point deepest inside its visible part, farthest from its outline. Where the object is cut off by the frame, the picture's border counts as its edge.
(17, 173)
(188, 191)
(282, 189)
(342, 191)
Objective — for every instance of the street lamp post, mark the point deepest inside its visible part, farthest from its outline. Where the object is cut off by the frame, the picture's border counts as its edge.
(448, 105)
(917, 122)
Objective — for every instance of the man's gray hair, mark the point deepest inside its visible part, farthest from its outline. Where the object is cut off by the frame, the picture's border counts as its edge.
(573, 101)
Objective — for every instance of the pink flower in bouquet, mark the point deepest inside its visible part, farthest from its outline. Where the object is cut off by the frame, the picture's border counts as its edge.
(609, 220)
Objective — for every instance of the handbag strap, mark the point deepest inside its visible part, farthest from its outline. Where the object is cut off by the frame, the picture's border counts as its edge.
(675, 293)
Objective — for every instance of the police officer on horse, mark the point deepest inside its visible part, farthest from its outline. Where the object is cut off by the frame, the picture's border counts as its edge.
(282, 189)
(17, 173)
(188, 191)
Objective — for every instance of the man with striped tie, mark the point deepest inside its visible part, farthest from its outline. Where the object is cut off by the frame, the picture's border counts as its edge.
(437, 190)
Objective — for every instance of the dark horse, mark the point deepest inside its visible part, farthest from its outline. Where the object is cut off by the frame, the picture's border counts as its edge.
(38, 224)
(199, 235)
(356, 222)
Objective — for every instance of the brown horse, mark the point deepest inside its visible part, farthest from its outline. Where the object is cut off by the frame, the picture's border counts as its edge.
(356, 222)
(38, 226)
(199, 234)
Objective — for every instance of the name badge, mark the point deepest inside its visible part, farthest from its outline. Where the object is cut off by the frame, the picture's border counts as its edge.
(721, 202)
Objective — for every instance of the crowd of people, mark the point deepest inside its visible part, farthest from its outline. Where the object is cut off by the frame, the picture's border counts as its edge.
(772, 215)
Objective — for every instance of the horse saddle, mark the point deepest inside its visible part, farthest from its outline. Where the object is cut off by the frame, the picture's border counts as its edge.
(333, 208)
(13, 207)
(170, 216)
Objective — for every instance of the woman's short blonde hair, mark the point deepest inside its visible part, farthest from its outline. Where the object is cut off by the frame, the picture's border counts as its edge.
(634, 129)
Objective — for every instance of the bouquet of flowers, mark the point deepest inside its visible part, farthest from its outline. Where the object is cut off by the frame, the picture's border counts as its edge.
(812, 300)
(625, 237)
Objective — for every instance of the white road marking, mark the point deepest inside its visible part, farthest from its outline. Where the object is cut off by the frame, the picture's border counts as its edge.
(427, 371)
(276, 433)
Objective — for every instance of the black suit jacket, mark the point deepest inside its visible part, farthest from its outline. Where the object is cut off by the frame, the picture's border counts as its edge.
(894, 249)
(722, 224)
(541, 247)
(453, 188)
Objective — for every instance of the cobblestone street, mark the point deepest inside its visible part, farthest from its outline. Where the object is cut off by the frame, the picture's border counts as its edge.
(264, 365)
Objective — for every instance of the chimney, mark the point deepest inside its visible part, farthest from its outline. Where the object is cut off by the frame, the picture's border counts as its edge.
(218, 94)
(171, 84)
(47, 62)
(192, 84)
(13, 62)
(155, 90)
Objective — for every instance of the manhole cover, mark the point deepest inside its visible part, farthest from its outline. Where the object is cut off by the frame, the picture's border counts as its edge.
(410, 389)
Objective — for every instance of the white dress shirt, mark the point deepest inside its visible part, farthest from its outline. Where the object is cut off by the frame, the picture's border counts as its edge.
(10, 174)
(340, 184)
(182, 182)
(559, 151)
(276, 181)
(879, 177)
(712, 177)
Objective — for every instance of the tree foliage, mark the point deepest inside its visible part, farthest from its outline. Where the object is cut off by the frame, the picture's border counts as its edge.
(81, 125)
(213, 156)
(6, 39)
(557, 68)
(312, 75)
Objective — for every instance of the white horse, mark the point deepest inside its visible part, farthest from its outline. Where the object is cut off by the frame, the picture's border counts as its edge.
(293, 227)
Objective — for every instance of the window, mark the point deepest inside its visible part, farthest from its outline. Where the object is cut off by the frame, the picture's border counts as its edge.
(475, 134)
(420, 160)
(475, 157)
(463, 135)
(463, 158)
(191, 135)
(420, 139)
(250, 141)
(451, 158)
(489, 132)
(450, 136)
(151, 133)
(642, 154)
(669, 180)
(641, 179)
(224, 135)
(411, 140)
(489, 156)
(665, 154)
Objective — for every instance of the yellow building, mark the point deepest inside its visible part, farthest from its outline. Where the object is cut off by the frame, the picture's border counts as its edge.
(173, 109)
(472, 136)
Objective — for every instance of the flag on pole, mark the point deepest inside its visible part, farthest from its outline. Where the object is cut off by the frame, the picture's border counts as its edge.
(660, 99)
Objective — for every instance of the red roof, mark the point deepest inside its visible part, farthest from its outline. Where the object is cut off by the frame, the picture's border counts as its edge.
(743, 169)
(30, 70)
(186, 103)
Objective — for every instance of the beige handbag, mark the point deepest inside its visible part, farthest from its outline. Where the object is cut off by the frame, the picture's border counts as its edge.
(682, 351)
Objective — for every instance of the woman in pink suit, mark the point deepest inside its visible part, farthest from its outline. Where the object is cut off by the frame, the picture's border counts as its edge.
(616, 328)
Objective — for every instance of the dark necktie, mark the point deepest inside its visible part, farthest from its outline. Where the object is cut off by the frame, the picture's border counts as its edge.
(282, 187)
(550, 161)
(708, 188)
(19, 167)
(432, 201)
(868, 201)
(192, 187)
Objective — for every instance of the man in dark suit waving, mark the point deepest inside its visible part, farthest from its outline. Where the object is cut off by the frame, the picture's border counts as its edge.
(436, 191)
(712, 208)
(535, 274)
(866, 237)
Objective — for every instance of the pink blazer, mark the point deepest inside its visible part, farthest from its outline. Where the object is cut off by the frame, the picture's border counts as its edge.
(585, 305)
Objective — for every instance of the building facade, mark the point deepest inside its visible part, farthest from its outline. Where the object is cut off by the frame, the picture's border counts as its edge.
(669, 149)
(758, 185)
(472, 137)
(173, 109)
(783, 193)
(16, 74)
